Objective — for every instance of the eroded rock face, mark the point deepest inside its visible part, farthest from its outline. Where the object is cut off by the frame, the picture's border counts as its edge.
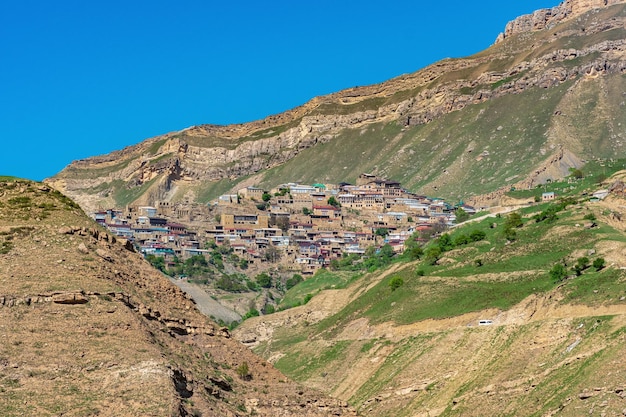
(544, 18)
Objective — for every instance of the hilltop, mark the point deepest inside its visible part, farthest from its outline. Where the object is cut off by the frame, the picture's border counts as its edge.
(548, 96)
(90, 328)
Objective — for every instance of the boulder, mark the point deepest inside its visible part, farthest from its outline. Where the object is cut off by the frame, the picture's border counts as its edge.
(70, 298)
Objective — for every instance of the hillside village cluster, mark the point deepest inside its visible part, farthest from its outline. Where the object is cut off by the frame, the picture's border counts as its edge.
(303, 227)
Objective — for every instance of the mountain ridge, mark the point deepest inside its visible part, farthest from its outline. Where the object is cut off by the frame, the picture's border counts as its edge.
(171, 166)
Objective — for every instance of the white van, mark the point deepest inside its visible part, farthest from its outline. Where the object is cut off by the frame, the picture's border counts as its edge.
(485, 322)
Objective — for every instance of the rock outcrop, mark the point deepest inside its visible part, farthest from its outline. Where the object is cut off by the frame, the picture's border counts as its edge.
(546, 18)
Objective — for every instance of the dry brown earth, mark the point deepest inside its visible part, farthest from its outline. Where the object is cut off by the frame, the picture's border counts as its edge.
(87, 327)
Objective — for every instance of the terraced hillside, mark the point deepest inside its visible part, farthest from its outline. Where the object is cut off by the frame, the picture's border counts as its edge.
(546, 97)
(548, 282)
(90, 328)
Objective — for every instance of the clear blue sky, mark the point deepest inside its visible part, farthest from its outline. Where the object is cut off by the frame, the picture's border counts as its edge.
(82, 78)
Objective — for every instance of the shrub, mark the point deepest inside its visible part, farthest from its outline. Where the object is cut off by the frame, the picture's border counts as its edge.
(576, 173)
(395, 283)
(253, 312)
(293, 281)
(461, 240)
(510, 234)
(415, 252)
(445, 242)
(477, 235)
(243, 371)
(229, 283)
(590, 216)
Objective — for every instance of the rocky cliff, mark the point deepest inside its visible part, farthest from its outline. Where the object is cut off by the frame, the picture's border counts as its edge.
(583, 43)
(547, 18)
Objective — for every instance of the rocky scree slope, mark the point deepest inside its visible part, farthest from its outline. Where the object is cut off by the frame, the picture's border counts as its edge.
(89, 328)
(509, 113)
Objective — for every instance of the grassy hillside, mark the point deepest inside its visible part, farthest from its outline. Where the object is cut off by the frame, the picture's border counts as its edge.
(444, 156)
(418, 348)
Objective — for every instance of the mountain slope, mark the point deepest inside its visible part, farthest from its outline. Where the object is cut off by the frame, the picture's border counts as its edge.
(547, 96)
(90, 328)
(552, 346)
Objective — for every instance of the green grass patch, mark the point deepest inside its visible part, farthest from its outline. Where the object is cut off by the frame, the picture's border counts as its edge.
(124, 196)
(322, 280)
(302, 365)
(404, 353)
(596, 288)
(154, 148)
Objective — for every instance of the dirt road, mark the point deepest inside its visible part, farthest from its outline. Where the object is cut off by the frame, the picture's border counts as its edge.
(205, 303)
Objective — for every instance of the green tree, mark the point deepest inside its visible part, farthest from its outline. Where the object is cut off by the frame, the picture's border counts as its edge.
(461, 215)
(513, 220)
(230, 283)
(306, 211)
(415, 252)
(266, 197)
(432, 254)
(386, 253)
(598, 263)
(156, 261)
(383, 232)
(445, 242)
(581, 264)
(264, 280)
(333, 202)
(558, 273)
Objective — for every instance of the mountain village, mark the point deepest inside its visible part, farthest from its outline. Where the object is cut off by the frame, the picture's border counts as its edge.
(302, 227)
